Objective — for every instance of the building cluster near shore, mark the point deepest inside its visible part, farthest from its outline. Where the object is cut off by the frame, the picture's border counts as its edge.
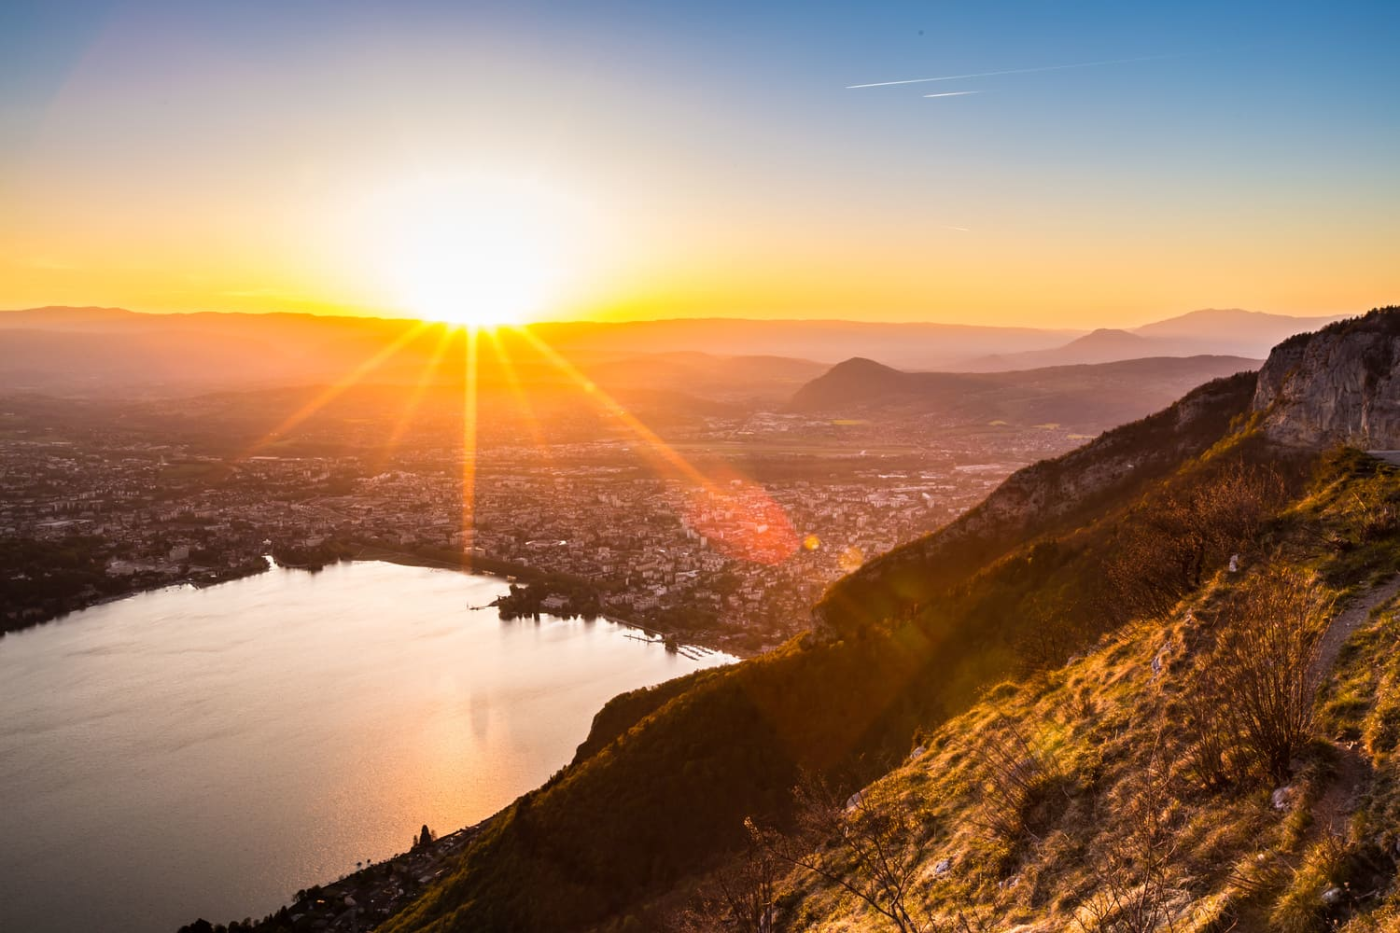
(733, 561)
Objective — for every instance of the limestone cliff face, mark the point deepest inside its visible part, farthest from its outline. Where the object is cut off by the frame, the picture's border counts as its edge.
(1340, 385)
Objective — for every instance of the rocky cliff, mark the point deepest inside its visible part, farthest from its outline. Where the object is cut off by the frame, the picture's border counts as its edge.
(1339, 385)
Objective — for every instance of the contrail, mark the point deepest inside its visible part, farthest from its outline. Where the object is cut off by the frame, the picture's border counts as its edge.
(953, 94)
(1013, 71)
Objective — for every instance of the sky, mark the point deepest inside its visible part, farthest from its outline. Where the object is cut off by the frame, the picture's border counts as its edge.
(1079, 164)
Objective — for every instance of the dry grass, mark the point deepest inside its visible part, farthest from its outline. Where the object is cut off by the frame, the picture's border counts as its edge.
(1130, 790)
(1084, 798)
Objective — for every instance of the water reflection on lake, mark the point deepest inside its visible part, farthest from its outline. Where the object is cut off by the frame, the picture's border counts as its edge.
(191, 753)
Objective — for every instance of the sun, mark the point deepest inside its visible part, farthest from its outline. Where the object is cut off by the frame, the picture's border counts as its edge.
(479, 254)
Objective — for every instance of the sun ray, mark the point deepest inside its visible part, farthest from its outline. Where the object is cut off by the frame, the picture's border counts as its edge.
(469, 447)
(411, 406)
(773, 539)
(517, 390)
(334, 390)
(615, 408)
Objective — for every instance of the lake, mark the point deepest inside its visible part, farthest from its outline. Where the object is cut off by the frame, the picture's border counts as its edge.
(188, 752)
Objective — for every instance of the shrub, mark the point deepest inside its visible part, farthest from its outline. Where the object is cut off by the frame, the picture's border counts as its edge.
(1019, 784)
(1135, 863)
(1269, 653)
(1250, 705)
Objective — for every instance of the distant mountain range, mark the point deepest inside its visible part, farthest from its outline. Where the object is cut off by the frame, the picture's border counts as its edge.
(898, 344)
(94, 350)
(1213, 331)
(1085, 397)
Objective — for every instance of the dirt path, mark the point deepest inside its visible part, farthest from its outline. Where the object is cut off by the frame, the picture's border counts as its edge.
(1334, 808)
(1348, 621)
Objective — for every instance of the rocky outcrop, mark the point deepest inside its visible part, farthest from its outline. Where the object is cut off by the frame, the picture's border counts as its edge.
(1340, 385)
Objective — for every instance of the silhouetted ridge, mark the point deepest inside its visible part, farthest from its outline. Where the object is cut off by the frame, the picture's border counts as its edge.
(859, 381)
(1109, 337)
(1087, 398)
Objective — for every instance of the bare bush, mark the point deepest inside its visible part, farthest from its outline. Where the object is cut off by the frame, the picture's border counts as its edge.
(1136, 894)
(867, 845)
(863, 846)
(1249, 705)
(1166, 547)
(1267, 650)
(739, 897)
(1215, 758)
(1014, 777)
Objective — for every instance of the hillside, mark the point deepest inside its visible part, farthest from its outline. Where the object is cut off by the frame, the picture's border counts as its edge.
(1083, 398)
(1105, 672)
(1153, 783)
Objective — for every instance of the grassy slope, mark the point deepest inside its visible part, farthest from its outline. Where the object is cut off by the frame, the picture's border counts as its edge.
(1102, 722)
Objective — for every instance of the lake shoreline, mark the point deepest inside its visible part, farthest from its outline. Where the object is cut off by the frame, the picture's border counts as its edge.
(288, 725)
(489, 567)
(522, 573)
(365, 898)
(202, 579)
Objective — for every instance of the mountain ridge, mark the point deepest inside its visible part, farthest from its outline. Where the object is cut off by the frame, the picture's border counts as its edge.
(919, 345)
(1087, 397)
(1229, 332)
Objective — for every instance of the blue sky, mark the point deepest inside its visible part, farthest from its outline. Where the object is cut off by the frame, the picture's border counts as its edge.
(723, 145)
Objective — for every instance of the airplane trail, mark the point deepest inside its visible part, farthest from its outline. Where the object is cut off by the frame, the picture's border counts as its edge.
(1012, 71)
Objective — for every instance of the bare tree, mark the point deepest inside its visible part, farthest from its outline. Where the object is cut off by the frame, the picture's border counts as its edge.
(866, 846)
(740, 896)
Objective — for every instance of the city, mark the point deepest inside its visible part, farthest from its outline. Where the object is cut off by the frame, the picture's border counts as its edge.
(592, 527)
